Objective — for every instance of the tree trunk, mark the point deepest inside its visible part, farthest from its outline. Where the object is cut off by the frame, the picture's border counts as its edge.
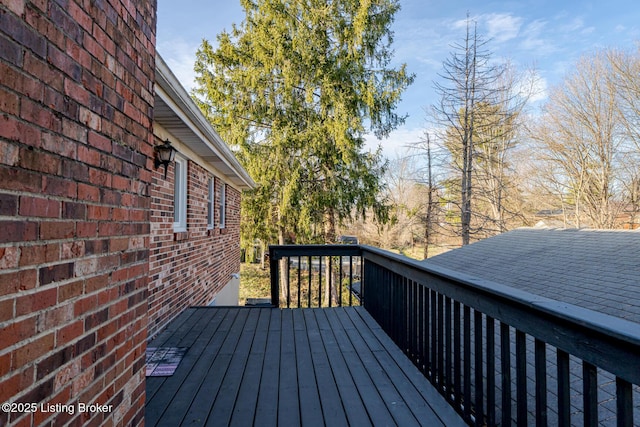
(329, 238)
(283, 267)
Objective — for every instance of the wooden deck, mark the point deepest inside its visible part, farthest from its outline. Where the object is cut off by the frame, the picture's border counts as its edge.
(268, 367)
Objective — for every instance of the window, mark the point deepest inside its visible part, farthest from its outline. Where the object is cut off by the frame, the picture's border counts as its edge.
(180, 195)
(210, 203)
(223, 188)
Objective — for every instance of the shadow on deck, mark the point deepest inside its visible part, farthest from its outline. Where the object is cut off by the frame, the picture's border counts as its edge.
(267, 367)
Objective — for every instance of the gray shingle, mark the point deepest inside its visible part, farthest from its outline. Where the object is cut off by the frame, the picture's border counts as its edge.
(594, 269)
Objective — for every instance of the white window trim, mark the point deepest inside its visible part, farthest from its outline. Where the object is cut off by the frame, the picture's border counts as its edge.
(211, 203)
(223, 205)
(180, 195)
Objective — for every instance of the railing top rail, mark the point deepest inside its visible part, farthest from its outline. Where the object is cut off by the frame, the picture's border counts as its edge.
(608, 325)
(280, 251)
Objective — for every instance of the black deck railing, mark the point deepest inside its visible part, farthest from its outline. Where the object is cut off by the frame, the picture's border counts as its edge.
(499, 355)
(315, 275)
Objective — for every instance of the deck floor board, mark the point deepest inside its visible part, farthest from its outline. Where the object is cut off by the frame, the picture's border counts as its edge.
(272, 367)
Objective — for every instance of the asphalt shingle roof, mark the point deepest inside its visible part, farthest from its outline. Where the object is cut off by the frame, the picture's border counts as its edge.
(594, 269)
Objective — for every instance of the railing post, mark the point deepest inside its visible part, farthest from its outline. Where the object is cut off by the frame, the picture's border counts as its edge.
(275, 278)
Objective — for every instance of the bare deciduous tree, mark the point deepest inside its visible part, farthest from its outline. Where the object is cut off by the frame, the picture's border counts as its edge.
(580, 136)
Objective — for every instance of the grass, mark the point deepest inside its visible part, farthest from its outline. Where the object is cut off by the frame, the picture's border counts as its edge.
(254, 282)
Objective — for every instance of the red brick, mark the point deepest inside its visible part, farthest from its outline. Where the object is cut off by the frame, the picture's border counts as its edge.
(43, 117)
(39, 207)
(59, 145)
(69, 332)
(89, 156)
(87, 229)
(88, 193)
(71, 210)
(75, 249)
(75, 170)
(74, 131)
(64, 63)
(12, 129)
(95, 212)
(43, 71)
(39, 254)
(19, 180)
(9, 103)
(99, 141)
(59, 187)
(96, 283)
(20, 381)
(17, 281)
(55, 317)
(9, 153)
(90, 119)
(85, 305)
(94, 47)
(53, 230)
(18, 231)
(6, 313)
(16, 6)
(9, 257)
(16, 332)
(119, 214)
(76, 91)
(39, 161)
(32, 303)
(33, 350)
(56, 273)
(70, 290)
(99, 177)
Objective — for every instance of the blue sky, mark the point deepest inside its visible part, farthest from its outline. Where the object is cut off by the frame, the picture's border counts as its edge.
(547, 35)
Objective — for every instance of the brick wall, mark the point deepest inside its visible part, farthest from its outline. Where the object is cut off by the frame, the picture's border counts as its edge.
(189, 268)
(76, 100)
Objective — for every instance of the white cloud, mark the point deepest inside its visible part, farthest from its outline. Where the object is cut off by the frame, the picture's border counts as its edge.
(398, 144)
(180, 57)
(502, 27)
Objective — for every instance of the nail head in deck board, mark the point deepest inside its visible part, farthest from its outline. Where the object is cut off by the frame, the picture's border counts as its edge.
(346, 369)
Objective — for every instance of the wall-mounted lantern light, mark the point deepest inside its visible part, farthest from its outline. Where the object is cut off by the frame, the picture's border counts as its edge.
(165, 153)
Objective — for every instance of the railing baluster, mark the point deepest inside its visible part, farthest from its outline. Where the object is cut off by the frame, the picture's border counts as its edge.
(448, 348)
(467, 362)
(320, 281)
(288, 282)
(415, 337)
(624, 403)
(441, 382)
(541, 383)
(427, 332)
(491, 371)
(421, 328)
(521, 378)
(351, 281)
(330, 280)
(564, 390)
(434, 338)
(310, 281)
(457, 363)
(590, 394)
(478, 365)
(299, 279)
(505, 372)
(340, 284)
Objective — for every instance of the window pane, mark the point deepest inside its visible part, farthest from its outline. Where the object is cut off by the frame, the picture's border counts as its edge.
(177, 185)
(223, 204)
(210, 205)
